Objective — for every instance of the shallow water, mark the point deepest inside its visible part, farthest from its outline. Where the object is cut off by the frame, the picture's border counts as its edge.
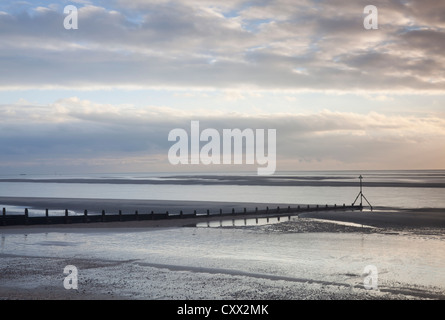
(407, 197)
(335, 257)
(245, 222)
(249, 222)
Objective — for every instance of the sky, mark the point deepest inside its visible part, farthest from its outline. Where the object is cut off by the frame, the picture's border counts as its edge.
(104, 97)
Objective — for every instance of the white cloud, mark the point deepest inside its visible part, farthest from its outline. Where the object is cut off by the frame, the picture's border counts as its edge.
(227, 45)
(233, 53)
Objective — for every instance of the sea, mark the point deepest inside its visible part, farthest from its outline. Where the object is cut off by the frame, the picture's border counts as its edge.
(396, 188)
(405, 262)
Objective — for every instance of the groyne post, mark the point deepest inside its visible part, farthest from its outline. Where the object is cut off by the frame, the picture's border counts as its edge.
(66, 215)
(46, 216)
(26, 215)
(120, 215)
(103, 216)
(136, 215)
(85, 216)
(4, 216)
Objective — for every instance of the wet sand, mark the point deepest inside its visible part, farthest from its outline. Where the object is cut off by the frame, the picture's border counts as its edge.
(176, 282)
(130, 206)
(387, 217)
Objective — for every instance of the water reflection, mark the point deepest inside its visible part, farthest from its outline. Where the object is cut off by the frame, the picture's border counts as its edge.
(243, 222)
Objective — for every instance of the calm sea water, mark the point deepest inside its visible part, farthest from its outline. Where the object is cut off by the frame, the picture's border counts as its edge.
(401, 196)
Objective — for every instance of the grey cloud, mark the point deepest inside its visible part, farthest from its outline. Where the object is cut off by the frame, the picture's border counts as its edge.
(428, 41)
(193, 44)
(344, 137)
(428, 11)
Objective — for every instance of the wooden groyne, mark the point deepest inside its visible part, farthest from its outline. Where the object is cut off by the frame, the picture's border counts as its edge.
(25, 219)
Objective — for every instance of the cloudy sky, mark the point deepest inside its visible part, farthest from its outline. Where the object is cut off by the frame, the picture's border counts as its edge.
(103, 97)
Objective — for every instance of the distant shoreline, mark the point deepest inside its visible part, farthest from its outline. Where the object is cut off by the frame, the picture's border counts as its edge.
(239, 181)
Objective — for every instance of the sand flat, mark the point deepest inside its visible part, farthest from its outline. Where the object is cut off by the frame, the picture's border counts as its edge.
(301, 258)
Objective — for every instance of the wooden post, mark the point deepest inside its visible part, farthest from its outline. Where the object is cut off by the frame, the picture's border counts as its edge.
(152, 215)
(181, 214)
(278, 209)
(233, 210)
(85, 216)
(256, 209)
(194, 213)
(66, 215)
(245, 210)
(46, 216)
(120, 215)
(220, 212)
(26, 215)
(136, 215)
(4, 216)
(103, 215)
(267, 209)
(208, 212)
(288, 208)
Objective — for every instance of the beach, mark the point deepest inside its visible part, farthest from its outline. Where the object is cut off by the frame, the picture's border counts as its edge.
(222, 150)
(312, 255)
